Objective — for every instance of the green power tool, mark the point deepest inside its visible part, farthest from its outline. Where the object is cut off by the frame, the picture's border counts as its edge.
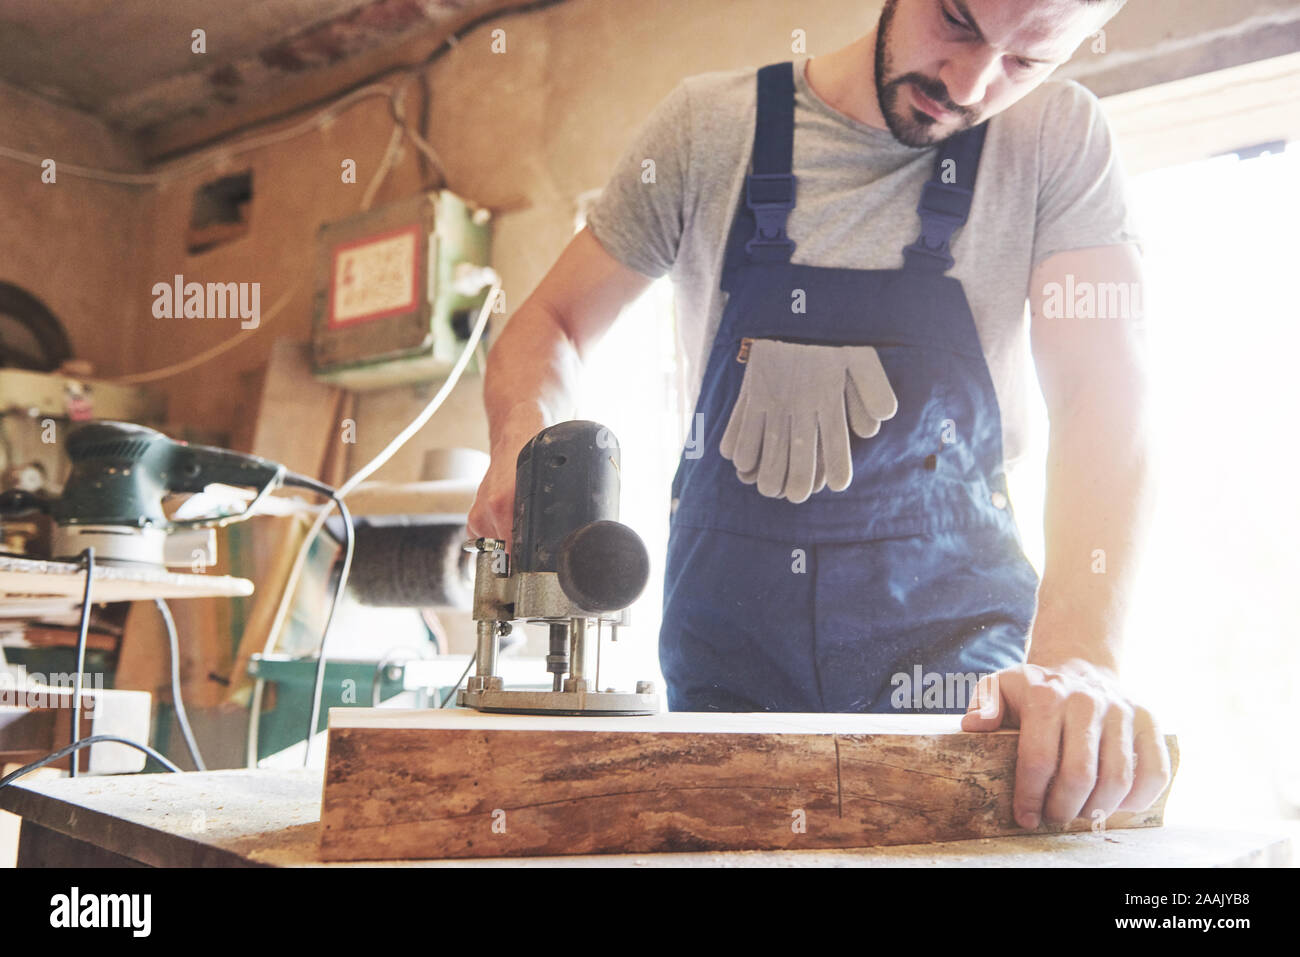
(112, 500)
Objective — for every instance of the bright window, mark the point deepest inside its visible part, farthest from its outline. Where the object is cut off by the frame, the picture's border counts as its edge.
(630, 384)
(1212, 639)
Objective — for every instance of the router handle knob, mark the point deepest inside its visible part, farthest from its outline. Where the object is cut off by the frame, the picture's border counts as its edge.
(603, 566)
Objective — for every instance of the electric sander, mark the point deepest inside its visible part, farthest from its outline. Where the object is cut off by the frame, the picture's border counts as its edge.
(572, 566)
(120, 475)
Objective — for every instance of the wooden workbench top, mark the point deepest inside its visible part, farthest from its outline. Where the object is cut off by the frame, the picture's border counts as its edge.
(271, 818)
(25, 579)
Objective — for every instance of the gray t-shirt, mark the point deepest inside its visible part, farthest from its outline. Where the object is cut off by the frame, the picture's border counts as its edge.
(1049, 181)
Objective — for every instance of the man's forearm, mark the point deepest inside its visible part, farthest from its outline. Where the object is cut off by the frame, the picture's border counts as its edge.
(534, 371)
(1095, 520)
(533, 374)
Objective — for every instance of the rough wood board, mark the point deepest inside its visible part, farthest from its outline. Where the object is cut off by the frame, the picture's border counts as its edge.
(267, 817)
(455, 783)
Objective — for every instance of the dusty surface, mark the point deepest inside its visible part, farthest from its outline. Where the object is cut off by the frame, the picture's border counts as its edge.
(251, 818)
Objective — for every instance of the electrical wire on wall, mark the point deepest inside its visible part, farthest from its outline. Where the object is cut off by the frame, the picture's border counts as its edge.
(219, 155)
(487, 277)
(207, 355)
(401, 130)
(211, 156)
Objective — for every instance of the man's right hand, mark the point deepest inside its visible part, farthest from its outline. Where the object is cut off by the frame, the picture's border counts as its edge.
(492, 513)
(535, 365)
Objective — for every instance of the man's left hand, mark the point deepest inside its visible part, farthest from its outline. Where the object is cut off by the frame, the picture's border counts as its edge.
(1085, 746)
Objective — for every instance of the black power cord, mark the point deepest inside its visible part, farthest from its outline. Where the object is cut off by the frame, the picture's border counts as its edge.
(349, 544)
(88, 556)
(85, 743)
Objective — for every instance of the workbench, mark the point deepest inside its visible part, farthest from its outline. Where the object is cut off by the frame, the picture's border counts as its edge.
(262, 818)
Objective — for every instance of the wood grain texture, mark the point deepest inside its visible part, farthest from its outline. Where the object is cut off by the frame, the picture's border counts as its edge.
(272, 817)
(453, 784)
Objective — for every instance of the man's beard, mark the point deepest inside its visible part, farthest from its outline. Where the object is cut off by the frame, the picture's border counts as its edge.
(910, 126)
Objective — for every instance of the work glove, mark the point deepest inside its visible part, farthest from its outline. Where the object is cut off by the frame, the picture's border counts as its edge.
(789, 429)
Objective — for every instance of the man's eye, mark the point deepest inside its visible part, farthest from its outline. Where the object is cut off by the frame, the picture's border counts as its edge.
(950, 19)
(1021, 64)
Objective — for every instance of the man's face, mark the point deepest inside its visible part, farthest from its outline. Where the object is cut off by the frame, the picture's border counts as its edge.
(945, 65)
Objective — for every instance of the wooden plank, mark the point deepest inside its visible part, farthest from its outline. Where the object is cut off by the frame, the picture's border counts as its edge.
(296, 422)
(334, 466)
(41, 847)
(270, 817)
(456, 783)
(25, 578)
(289, 74)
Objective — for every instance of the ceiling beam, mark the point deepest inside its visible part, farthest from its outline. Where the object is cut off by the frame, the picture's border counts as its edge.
(308, 69)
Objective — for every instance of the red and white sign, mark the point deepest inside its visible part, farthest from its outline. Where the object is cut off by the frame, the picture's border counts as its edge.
(374, 278)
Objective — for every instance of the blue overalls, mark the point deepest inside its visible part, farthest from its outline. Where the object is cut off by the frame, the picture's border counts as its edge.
(916, 568)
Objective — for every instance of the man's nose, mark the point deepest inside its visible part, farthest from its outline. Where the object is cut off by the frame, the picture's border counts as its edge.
(968, 75)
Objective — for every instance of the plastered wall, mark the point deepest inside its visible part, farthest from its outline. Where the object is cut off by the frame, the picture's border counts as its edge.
(73, 243)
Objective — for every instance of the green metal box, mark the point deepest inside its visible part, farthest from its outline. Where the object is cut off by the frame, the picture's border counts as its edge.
(385, 308)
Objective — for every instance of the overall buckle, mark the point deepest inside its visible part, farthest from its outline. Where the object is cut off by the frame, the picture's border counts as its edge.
(946, 201)
(771, 197)
(942, 208)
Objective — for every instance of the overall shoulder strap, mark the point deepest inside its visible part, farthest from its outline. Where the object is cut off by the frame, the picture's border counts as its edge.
(758, 234)
(945, 200)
